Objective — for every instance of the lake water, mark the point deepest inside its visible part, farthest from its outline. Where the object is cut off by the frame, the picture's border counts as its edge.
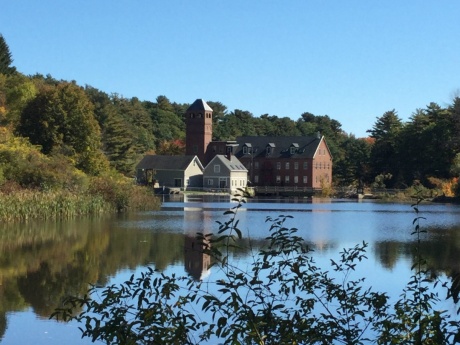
(42, 262)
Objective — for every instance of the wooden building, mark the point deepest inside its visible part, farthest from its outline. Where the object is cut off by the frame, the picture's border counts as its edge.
(170, 171)
(225, 172)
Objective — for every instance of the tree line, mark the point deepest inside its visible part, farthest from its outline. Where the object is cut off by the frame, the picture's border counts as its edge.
(97, 131)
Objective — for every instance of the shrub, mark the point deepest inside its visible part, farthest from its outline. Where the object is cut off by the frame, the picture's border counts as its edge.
(122, 193)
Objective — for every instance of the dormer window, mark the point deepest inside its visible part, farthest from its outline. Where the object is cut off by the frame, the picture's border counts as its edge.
(293, 149)
(269, 148)
(247, 148)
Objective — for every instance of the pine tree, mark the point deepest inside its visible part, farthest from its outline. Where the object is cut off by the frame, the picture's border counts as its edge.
(5, 58)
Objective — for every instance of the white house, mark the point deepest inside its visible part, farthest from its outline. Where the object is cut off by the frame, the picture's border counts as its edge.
(225, 172)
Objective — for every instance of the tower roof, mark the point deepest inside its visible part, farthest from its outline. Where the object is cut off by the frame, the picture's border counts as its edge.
(199, 104)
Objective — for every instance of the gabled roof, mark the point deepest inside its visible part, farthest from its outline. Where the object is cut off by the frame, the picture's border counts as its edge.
(199, 105)
(306, 146)
(159, 162)
(232, 164)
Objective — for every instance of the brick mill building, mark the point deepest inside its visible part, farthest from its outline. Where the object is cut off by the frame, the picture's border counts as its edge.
(294, 161)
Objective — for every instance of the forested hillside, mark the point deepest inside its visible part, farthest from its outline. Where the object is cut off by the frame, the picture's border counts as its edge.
(79, 127)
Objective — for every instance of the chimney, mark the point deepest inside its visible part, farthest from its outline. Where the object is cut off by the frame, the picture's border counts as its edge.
(229, 155)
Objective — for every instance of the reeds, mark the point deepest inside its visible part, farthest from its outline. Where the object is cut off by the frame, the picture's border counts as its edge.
(32, 204)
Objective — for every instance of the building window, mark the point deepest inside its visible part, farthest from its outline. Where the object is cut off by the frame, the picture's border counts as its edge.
(305, 179)
(305, 165)
(187, 182)
(256, 179)
(296, 179)
(278, 179)
(245, 150)
(210, 181)
(287, 165)
(269, 150)
(278, 165)
(217, 168)
(296, 165)
(292, 150)
(256, 165)
(286, 179)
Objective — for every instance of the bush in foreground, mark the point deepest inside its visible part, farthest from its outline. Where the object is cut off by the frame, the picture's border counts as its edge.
(284, 298)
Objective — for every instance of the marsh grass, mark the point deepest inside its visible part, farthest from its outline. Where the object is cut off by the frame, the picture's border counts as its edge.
(31, 204)
(26, 204)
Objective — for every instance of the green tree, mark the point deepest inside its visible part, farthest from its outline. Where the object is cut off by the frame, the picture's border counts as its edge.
(454, 109)
(5, 58)
(219, 111)
(20, 90)
(276, 126)
(429, 143)
(355, 168)
(134, 112)
(385, 151)
(167, 124)
(118, 144)
(235, 124)
(118, 134)
(61, 120)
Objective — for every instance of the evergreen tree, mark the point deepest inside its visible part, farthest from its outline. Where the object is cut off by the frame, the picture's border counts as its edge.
(385, 151)
(5, 58)
(118, 144)
(168, 125)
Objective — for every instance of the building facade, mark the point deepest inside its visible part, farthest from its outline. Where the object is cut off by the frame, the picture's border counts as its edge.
(294, 161)
(301, 161)
(225, 172)
(170, 171)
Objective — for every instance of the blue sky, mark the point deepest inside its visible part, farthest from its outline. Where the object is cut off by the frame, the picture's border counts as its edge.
(351, 60)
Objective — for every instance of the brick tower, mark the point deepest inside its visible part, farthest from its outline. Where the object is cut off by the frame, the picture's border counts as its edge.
(198, 122)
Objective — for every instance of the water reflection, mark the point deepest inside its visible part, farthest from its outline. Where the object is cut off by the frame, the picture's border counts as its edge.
(196, 260)
(42, 262)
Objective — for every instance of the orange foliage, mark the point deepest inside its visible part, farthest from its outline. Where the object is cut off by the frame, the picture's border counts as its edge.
(172, 147)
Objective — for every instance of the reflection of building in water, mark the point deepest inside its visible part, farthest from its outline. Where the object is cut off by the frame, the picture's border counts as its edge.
(197, 264)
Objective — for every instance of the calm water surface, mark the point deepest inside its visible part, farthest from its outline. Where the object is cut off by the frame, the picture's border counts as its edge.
(42, 262)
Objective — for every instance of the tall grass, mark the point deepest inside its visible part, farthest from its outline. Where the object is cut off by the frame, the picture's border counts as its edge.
(32, 204)
(23, 205)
